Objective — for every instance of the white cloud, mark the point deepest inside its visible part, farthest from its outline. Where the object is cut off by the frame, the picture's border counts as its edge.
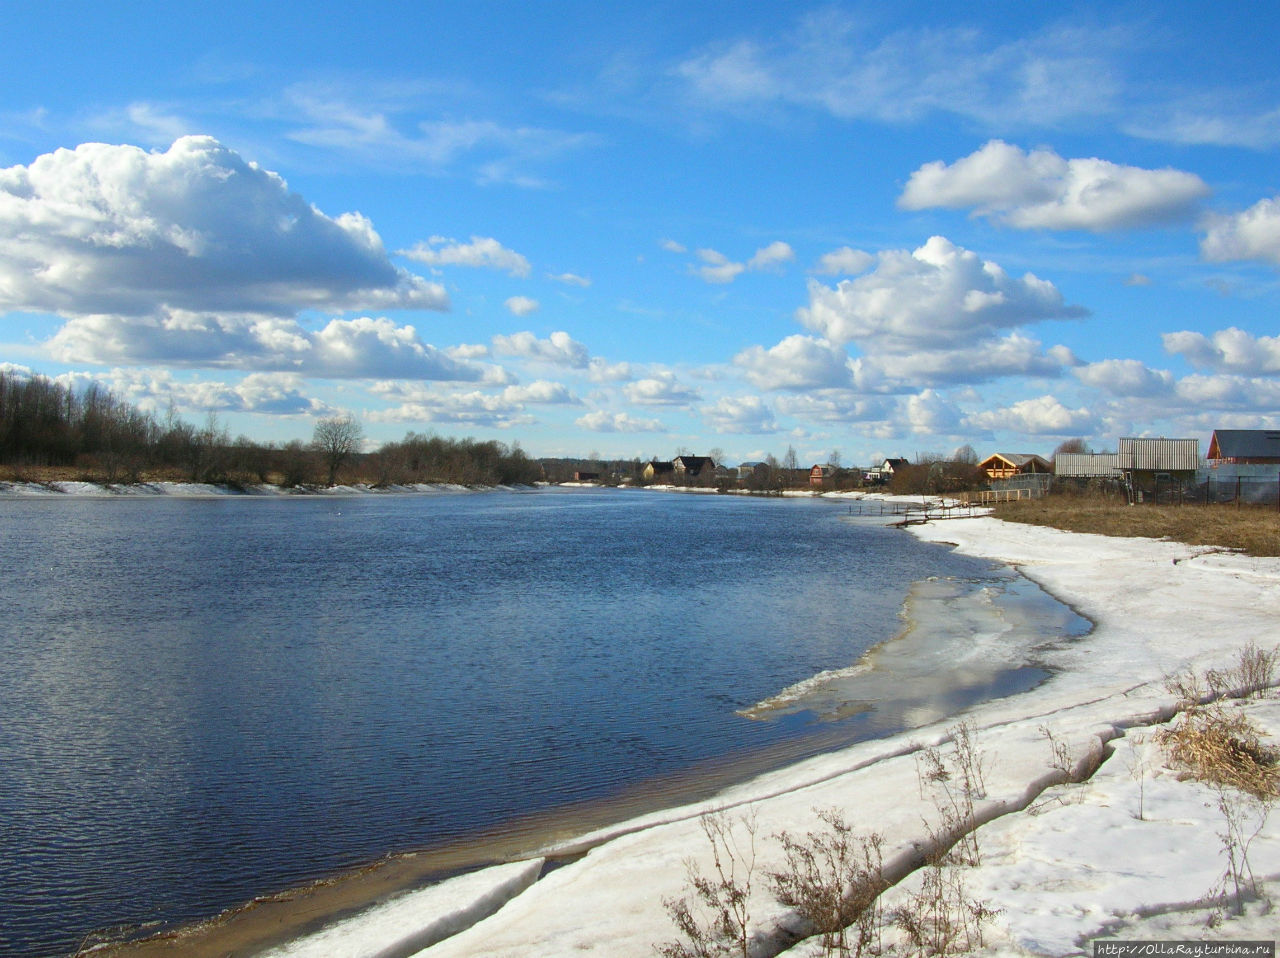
(559, 348)
(483, 252)
(991, 358)
(1229, 350)
(601, 421)
(600, 370)
(929, 414)
(475, 408)
(1251, 235)
(671, 246)
(114, 230)
(938, 297)
(343, 349)
(768, 257)
(660, 389)
(798, 362)
(1126, 377)
(718, 268)
(1137, 279)
(831, 63)
(1042, 416)
(378, 130)
(1041, 190)
(842, 406)
(740, 414)
(1236, 393)
(521, 305)
(541, 392)
(570, 279)
(275, 394)
(844, 261)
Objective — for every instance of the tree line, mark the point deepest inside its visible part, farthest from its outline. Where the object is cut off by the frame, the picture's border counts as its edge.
(96, 435)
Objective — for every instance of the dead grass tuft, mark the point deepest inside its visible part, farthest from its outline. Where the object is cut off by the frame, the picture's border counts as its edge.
(1252, 529)
(1223, 748)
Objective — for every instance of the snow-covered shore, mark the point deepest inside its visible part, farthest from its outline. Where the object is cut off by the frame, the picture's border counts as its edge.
(1132, 852)
(205, 490)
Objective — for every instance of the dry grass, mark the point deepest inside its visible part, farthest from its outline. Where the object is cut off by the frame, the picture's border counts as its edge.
(1223, 748)
(1252, 529)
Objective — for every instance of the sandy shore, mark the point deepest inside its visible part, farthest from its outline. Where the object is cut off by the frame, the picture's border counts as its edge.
(1050, 862)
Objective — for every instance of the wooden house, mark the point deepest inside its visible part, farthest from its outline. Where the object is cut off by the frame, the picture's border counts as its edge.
(656, 470)
(821, 474)
(1245, 447)
(693, 467)
(1006, 465)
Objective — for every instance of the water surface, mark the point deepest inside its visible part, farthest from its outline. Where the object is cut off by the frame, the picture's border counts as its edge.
(206, 700)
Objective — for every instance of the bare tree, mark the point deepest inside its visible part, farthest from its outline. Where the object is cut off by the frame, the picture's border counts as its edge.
(337, 439)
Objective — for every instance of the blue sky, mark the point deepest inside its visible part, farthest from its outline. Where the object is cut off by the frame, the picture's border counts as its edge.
(632, 230)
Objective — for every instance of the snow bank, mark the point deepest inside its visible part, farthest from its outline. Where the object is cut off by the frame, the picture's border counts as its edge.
(416, 920)
(200, 490)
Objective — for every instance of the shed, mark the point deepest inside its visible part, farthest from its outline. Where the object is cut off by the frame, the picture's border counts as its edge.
(1005, 465)
(1244, 446)
(1156, 467)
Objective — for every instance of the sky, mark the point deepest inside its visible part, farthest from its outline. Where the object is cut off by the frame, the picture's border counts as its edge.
(628, 231)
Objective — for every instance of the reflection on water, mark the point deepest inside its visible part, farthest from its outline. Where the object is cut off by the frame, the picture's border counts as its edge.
(962, 641)
(206, 700)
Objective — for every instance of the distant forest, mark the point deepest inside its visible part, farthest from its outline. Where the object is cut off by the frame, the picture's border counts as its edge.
(47, 428)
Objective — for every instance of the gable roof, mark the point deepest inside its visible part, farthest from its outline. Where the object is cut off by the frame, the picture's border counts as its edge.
(1015, 460)
(1245, 444)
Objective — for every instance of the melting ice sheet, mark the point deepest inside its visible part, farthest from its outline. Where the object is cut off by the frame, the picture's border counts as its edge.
(961, 642)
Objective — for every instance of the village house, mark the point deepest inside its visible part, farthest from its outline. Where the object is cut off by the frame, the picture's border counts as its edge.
(884, 472)
(693, 467)
(1006, 465)
(657, 470)
(1244, 447)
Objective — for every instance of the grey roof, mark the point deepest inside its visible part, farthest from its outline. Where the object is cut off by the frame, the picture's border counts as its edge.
(1245, 444)
(1087, 464)
(1160, 455)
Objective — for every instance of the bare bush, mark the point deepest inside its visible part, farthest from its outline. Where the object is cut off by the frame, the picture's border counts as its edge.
(713, 917)
(833, 879)
(942, 918)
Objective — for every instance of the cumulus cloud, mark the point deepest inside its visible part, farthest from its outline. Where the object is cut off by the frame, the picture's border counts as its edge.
(474, 408)
(845, 261)
(601, 421)
(929, 414)
(275, 394)
(115, 230)
(559, 348)
(798, 362)
(342, 349)
(1251, 235)
(1041, 190)
(1125, 377)
(671, 246)
(940, 296)
(1042, 416)
(541, 392)
(842, 406)
(521, 305)
(1229, 350)
(991, 358)
(600, 370)
(482, 252)
(718, 268)
(660, 389)
(740, 414)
